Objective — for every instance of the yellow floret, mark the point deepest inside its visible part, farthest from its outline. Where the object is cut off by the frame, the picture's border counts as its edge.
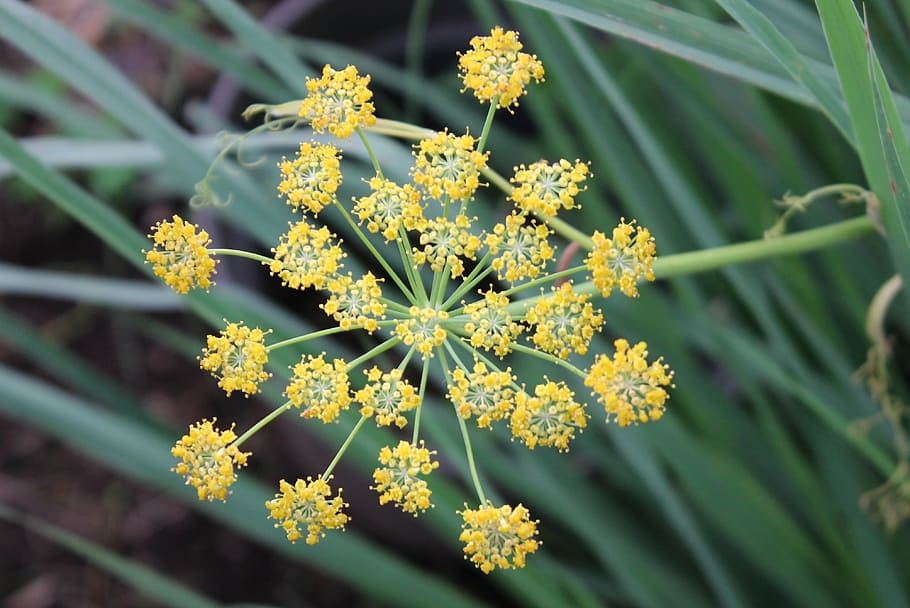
(306, 256)
(207, 459)
(312, 178)
(549, 418)
(355, 303)
(545, 188)
(308, 504)
(448, 164)
(180, 255)
(423, 329)
(521, 249)
(498, 537)
(564, 322)
(321, 388)
(339, 102)
(495, 69)
(398, 479)
(445, 242)
(237, 358)
(483, 394)
(386, 397)
(491, 326)
(622, 261)
(389, 207)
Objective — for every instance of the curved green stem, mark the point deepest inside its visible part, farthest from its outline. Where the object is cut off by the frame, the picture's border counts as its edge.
(521, 348)
(369, 148)
(487, 123)
(344, 448)
(794, 204)
(421, 392)
(410, 266)
(319, 334)
(239, 253)
(264, 421)
(553, 276)
(477, 275)
(373, 352)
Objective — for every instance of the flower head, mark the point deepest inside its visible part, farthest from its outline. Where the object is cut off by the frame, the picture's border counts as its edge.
(623, 260)
(355, 303)
(494, 67)
(320, 387)
(207, 459)
(520, 248)
(448, 164)
(308, 504)
(389, 207)
(338, 101)
(386, 397)
(491, 326)
(423, 329)
(444, 242)
(564, 322)
(236, 357)
(483, 394)
(312, 178)
(545, 188)
(549, 418)
(306, 256)
(630, 389)
(180, 255)
(498, 537)
(398, 479)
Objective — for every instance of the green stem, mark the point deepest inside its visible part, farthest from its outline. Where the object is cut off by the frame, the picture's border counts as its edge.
(264, 421)
(521, 348)
(424, 374)
(344, 448)
(369, 148)
(376, 350)
(487, 123)
(800, 203)
(464, 436)
(410, 266)
(239, 253)
(366, 241)
(545, 279)
(477, 275)
(319, 334)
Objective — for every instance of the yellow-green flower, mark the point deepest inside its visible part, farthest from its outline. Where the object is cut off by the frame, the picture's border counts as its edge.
(311, 180)
(491, 326)
(307, 256)
(355, 303)
(237, 358)
(423, 329)
(398, 479)
(207, 459)
(495, 68)
(520, 248)
(546, 188)
(448, 164)
(483, 394)
(564, 322)
(498, 537)
(310, 505)
(339, 102)
(549, 418)
(390, 207)
(630, 389)
(386, 397)
(320, 387)
(445, 242)
(180, 255)
(622, 261)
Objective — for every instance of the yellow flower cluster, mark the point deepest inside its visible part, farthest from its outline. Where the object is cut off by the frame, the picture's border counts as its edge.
(386, 397)
(207, 459)
(630, 389)
(307, 504)
(545, 188)
(307, 256)
(623, 260)
(311, 180)
(498, 537)
(389, 208)
(339, 102)
(320, 387)
(549, 418)
(495, 69)
(452, 292)
(355, 303)
(398, 479)
(180, 255)
(491, 326)
(423, 329)
(482, 394)
(564, 322)
(236, 357)
(450, 165)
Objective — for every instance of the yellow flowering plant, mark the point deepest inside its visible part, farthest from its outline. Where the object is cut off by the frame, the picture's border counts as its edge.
(446, 290)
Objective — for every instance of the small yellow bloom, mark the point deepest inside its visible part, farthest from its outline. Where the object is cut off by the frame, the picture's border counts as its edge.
(623, 260)
(355, 303)
(491, 326)
(180, 255)
(521, 249)
(443, 241)
(498, 537)
(448, 164)
(423, 329)
(389, 207)
(207, 459)
(306, 256)
(338, 101)
(398, 479)
(320, 387)
(237, 358)
(482, 394)
(494, 67)
(564, 322)
(630, 389)
(308, 504)
(545, 188)
(386, 397)
(549, 418)
(312, 178)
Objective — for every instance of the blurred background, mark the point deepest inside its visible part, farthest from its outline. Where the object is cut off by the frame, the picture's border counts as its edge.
(774, 478)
